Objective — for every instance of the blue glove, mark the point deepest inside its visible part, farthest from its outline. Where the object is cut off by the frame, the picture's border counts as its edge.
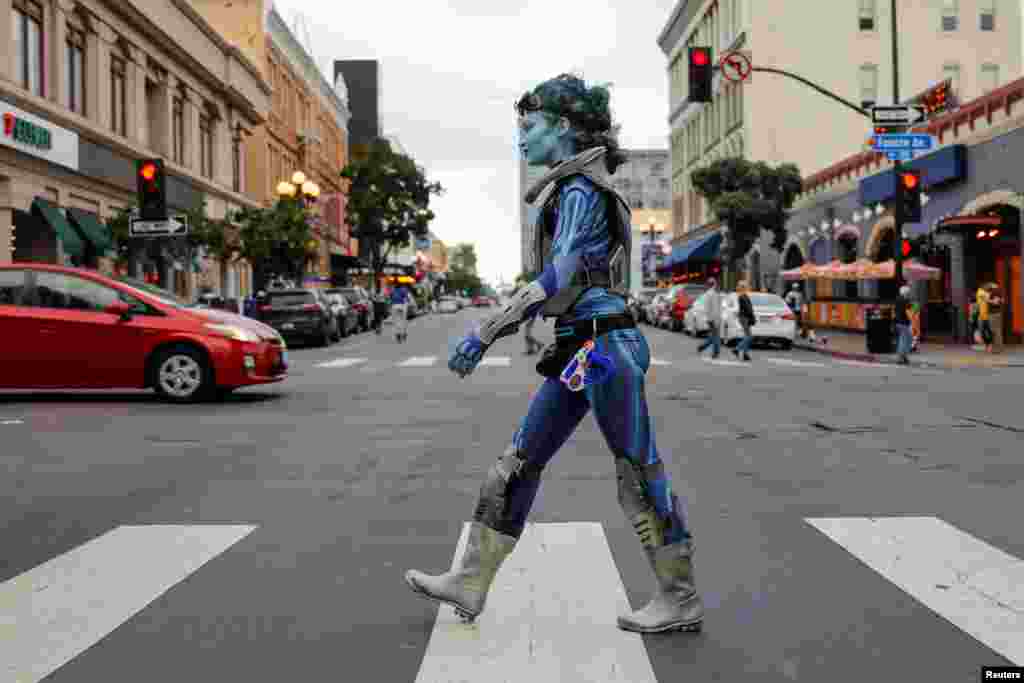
(467, 354)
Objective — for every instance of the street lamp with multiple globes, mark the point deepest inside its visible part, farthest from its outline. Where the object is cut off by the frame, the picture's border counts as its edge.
(305, 192)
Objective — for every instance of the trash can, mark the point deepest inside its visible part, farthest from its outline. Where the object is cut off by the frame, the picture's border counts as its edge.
(879, 332)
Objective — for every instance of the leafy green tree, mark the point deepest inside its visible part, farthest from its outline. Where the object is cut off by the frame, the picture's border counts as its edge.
(277, 240)
(748, 197)
(388, 203)
(462, 269)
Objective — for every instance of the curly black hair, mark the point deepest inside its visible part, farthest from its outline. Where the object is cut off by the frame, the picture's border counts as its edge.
(588, 111)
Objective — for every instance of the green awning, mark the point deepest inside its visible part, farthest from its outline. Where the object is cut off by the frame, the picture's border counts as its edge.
(94, 231)
(73, 245)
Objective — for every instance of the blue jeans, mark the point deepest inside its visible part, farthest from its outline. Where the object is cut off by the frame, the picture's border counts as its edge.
(904, 339)
(746, 342)
(713, 340)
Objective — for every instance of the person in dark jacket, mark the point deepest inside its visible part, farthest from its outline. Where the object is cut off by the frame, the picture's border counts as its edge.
(903, 336)
(746, 319)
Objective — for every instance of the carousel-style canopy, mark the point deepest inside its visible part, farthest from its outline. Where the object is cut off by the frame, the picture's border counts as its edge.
(862, 270)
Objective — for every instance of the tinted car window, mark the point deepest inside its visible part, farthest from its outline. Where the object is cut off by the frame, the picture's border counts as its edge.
(768, 300)
(291, 299)
(57, 290)
(12, 287)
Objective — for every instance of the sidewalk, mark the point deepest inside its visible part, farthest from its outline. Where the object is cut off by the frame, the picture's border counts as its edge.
(853, 346)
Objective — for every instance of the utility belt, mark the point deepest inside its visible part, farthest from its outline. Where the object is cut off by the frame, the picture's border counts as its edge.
(569, 337)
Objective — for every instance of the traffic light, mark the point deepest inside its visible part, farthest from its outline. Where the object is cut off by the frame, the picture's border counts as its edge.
(908, 196)
(908, 249)
(890, 130)
(152, 189)
(700, 74)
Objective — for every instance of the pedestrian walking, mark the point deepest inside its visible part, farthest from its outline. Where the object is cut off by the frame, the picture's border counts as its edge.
(380, 311)
(532, 345)
(713, 312)
(904, 336)
(985, 299)
(795, 301)
(400, 311)
(746, 319)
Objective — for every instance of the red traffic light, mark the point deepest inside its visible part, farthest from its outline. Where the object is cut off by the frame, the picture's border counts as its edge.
(148, 171)
(700, 58)
(906, 247)
(909, 180)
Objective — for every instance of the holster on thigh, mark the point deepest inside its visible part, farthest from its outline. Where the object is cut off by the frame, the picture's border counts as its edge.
(638, 503)
(492, 504)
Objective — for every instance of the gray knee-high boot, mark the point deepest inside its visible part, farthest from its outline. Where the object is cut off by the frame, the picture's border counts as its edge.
(676, 606)
(465, 587)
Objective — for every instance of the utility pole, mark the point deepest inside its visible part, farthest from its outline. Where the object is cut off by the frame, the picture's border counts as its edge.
(898, 242)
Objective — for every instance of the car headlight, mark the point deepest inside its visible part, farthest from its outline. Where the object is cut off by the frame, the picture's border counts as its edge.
(233, 332)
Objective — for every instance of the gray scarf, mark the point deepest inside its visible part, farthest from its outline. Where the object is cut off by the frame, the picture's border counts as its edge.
(589, 162)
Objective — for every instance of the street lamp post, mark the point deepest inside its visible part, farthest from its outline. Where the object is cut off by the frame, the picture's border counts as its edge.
(299, 189)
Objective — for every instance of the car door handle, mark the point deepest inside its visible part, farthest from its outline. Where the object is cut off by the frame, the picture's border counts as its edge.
(48, 330)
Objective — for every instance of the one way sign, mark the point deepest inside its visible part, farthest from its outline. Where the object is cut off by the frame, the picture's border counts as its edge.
(900, 114)
(174, 226)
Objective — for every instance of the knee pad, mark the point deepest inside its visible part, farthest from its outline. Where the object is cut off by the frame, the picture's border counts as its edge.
(503, 474)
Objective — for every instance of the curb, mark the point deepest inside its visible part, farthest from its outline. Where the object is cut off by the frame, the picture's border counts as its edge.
(866, 357)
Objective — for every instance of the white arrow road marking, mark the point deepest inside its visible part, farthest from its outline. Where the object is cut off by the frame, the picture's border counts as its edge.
(497, 361)
(51, 614)
(795, 363)
(341, 363)
(978, 588)
(418, 362)
(658, 361)
(550, 616)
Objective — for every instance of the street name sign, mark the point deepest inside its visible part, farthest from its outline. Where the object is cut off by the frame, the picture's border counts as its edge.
(902, 114)
(174, 226)
(917, 142)
(899, 155)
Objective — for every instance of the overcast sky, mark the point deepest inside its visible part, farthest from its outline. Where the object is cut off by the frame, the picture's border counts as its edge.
(451, 71)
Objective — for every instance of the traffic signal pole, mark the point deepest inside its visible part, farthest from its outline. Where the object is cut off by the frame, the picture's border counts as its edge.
(897, 214)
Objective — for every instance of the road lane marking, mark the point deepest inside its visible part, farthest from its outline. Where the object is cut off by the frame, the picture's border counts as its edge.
(550, 616)
(658, 361)
(860, 364)
(51, 614)
(497, 361)
(418, 362)
(12, 422)
(977, 588)
(733, 363)
(796, 363)
(341, 363)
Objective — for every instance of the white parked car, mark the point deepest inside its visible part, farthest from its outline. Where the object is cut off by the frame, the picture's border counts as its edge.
(775, 322)
(448, 304)
(695, 322)
(653, 309)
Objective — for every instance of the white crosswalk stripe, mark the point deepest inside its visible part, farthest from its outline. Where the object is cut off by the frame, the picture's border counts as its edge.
(861, 364)
(553, 603)
(418, 362)
(51, 614)
(341, 363)
(978, 588)
(795, 363)
(729, 363)
(659, 361)
(496, 361)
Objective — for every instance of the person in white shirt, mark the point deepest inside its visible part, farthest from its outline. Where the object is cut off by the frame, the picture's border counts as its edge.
(713, 311)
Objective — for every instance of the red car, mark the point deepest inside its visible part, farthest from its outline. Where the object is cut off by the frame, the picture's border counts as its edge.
(71, 328)
(684, 295)
(481, 301)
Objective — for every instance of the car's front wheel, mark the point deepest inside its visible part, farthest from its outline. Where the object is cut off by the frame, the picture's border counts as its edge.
(182, 374)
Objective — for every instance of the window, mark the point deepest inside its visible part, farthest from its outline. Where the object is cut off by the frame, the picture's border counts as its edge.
(12, 287)
(236, 161)
(178, 131)
(988, 15)
(989, 78)
(118, 99)
(74, 78)
(950, 15)
(27, 42)
(56, 290)
(205, 146)
(868, 85)
(951, 72)
(866, 19)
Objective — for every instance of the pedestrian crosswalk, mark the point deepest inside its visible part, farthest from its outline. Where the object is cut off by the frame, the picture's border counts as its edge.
(550, 614)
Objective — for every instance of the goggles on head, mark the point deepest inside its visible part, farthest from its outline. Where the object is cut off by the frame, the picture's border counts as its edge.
(527, 103)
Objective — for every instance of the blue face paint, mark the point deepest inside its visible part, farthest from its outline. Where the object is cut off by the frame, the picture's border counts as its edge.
(543, 143)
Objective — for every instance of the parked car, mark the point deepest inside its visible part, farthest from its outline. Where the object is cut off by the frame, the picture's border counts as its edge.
(345, 314)
(775, 324)
(448, 304)
(299, 314)
(72, 328)
(651, 309)
(682, 297)
(359, 299)
(695, 322)
(481, 301)
(642, 300)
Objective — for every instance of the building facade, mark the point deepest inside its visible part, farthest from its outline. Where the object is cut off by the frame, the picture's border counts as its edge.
(89, 87)
(307, 127)
(845, 47)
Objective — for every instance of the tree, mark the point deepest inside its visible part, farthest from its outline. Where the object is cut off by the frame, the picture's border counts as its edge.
(463, 258)
(462, 270)
(278, 240)
(748, 197)
(388, 203)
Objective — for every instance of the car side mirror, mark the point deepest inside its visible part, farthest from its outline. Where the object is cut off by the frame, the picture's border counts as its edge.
(120, 309)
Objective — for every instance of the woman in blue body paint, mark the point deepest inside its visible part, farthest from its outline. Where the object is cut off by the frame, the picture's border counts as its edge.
(566, 126)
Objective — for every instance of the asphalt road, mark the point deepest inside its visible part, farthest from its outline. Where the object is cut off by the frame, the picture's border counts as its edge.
(345, 476)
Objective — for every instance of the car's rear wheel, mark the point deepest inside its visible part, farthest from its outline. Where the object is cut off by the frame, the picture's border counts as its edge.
(182, 374)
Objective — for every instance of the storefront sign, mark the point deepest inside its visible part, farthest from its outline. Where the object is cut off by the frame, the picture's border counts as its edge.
(38, 137)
